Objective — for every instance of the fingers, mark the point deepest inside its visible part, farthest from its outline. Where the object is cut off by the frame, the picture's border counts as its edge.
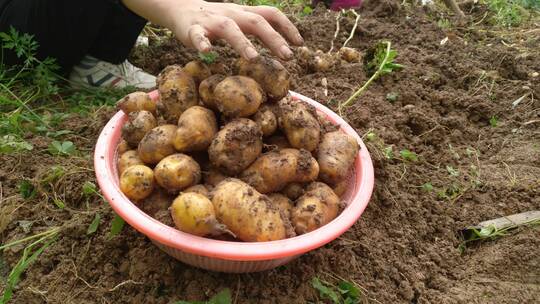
(279, 20)
(199, 38)
(227, 29)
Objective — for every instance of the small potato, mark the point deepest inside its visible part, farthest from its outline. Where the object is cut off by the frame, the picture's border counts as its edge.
(293, 190)
(137, 182)
(213, 177)
(298, 121)
(336, 155)
(305, 56)
(137, 101)
(176, 172)
(159, 200)
(123, 146)
(201, 189)
(217, 67)
(269, 73)
(349, 54)
(157, 144)
(128, 159)
(206, 91)
(236, 146)
(198, 70)
(194, 213)
(238, 96)
(282, 202)
(197, 127)
(251, 216)
(139, 123)
(266, 119)
(277, 142)
(323, 62)
(341, 187)
(274, 170)
(177, 92)
(316, 208)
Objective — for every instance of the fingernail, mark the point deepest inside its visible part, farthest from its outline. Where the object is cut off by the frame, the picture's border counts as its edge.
(250, 53)
(205, 46)
(285, 52)
(299, 39)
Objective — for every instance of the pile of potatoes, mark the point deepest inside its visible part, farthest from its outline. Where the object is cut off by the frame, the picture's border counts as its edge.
(232, 157)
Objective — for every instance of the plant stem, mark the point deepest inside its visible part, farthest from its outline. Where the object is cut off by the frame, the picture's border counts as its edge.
(45, 233)
(353, 29)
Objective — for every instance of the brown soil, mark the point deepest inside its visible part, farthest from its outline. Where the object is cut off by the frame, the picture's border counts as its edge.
(404, 249)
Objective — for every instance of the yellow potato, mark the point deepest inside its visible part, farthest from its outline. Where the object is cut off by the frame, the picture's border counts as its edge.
(137, 182)
(341, 187)
(277, 142)
(336, 155)
(123, 146)
(201, 189)
(157, 144)
(159, 200)
(269, 73)
(176, 172)
(197, 127)
(198, 70)
(238, 96)
(138, 124)
(177, 93)
(137, 101)
(299, 122)
(323, 62)
(250, 215)
(293, 190)
(213, 177)
(194, 213)
(349, 54)
(266, 119)
(316, 208)
(282, 202)
(128, 159)
(206, 91)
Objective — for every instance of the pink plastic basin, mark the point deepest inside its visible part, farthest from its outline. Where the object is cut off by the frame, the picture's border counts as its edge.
(224, 256)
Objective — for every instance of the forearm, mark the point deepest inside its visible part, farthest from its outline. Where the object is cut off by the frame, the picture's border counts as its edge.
(160, 12)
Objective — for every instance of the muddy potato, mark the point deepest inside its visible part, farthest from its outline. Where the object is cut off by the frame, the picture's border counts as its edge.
(201, 189)
(272, 171)
(197, 127)
(137, 101)
(341, 187)
(326, 125)
(299, 122)
(213, 176)
(305, 56)
(128, 159)
(177, 172)
(251, 216)
(266, 119)
(123, 146)
(293, 190)
(316, 208)
(282, 202)
(157, 144)
(177, 92)
(269, 73)
(159, 200)
(323, 62)
(139, 123)
(336, 155)
(277, 142)
(218, 67)
(236, 146)
(206, 91)
(137, 182)
(194, 213)
(198, 70)
(238, 96)
(349, 54)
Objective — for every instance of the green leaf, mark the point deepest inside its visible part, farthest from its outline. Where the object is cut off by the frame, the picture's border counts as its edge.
(325, 291)
(62, 148)
(428, 187)
(389, 152)
(453, 172)
(117, 225)
(371, 136)
(27, 189)
(11, 144)
(307, 11)
(486, 231)
(223, 297)
(89, 188)
(208, 58)
(94, 225)
(392, 97)
(349, 291)
(59, 203)
(408, 155)
(494, 121)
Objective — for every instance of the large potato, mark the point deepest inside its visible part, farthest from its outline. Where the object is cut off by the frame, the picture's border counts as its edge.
(336, 155)
(272, 171)
(282, 202)
(137, 182)
(299, 122)
(176, 172)
(157, 144)
(137, 101)
(316, 208)
(198, 70)
(277, 142)
(194, 213)
(128, 159)
(206, 91)
(238, 96)
(139, 123)
(269, 73)
(177, 92)
(236, 146)
(266, 119)
(251, 216)
(197, 127)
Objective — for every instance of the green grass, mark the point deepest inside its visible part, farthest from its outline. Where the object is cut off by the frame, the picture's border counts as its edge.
(512, 12)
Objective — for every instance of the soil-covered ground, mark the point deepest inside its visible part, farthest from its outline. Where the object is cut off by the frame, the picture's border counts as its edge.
(467, 104)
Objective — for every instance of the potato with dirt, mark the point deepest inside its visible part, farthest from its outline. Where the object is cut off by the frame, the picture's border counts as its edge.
(139, 123)
(277, 142)
(341, 187)
(197, 127)
(198, 70)
(177, 172)
(157, 144)
(336, 155)
(159, 200)
(272, 171)
(316, 208)
(137, 182)
(122, 147)
(299, 122)
(238, 96)
(137, 101)
(293, 190)
(251, 216)
(128, 159)
(269, 73)
(349, 54)
(194, 213)
(282, 202)
(200, 189)
(206, 91)
(213, 176)
(177, 93)
(236, 146)
(266, 119)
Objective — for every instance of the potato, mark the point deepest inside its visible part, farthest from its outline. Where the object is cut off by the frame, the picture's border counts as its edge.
(316, 208)
(194, 213)
(177, 171)
(336, 155)
(266, 119)
(201, 189)
(198, 70)
(128, 159)
(236, 146)
(123, 146)
(305, 56)
(269, 73)
(157, 144)
(197, 127)
(341, 187)
(137, 101)
(277, 142)
(349, 54)
(137, 182)
(274, 170)
(213, 177)
(326, 125)
(238, 96)
(217, 67)
(293, 190)
(282, 202)
(159, 200)
(206, 91)
(139, 123)
(298, 121)
(323, 62)
(251, 216)
(177, 91)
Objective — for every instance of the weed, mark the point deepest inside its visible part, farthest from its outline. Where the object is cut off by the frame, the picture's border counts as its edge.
(452, 171)
(392, 97)
(370, 136)
(511, 12)
(408, 155)
(494, 121)
(27, 189)
(344, 293)
(428, 187)
(11, 144)
(388, 152)
(94, 225)
(444, 23)
(223, 297)
(208, 58)
(117, 225)
(65, 148)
